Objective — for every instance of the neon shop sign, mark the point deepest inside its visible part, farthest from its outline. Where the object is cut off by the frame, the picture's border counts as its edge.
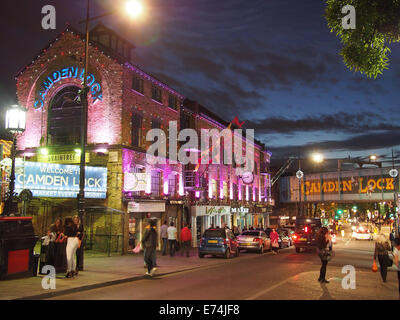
(68, 73)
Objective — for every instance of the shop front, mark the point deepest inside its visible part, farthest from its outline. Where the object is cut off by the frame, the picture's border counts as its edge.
(140, 212)
(243, 217)
(205, 217)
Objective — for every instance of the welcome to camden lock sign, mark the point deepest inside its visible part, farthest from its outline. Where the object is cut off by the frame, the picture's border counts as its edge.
(71, 72)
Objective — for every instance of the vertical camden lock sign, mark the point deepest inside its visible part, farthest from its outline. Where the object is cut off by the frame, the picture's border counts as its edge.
(61, 181)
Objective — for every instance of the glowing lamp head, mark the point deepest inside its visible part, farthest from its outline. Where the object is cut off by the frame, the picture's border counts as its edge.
(373, 157)
(15, 119)
(44, 151)
(317, 157)
(134, 8)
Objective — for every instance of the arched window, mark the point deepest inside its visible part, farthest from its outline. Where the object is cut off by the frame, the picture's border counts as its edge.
(64, 119)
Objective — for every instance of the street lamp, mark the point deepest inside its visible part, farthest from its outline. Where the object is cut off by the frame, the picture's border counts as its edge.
(134, 9)
(373, 157)
(15, 124)
(317, 157)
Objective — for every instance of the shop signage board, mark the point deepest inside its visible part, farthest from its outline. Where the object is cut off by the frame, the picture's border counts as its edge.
(135, 181)
(240, 210)
(134, 206)
(212, 210)
(60, 181)
(71, 157)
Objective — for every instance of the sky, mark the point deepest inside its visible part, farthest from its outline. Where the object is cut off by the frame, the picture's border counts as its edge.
(272, 63)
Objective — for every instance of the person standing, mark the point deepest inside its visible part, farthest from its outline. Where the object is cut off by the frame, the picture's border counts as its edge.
(186, 238)
(172, 233)
(60, 243)
(71, 232)
(396, 258)
(392, 238)
(79, 251)
(154, 254)
(274, 236)
(381, 252)
(164, 237)
(323, 240)
(149, 244)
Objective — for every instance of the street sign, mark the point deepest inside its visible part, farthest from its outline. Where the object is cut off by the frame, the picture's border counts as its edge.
(393, 173)
(299, 174)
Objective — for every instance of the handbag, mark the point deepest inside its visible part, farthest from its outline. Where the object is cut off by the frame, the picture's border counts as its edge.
(136, 249)
(275, 244)
(374, 266)
(389, 261)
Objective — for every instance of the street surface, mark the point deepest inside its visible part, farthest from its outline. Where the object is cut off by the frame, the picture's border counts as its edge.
(288, 275)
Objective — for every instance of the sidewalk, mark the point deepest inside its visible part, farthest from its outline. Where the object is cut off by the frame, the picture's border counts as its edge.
(102, 271)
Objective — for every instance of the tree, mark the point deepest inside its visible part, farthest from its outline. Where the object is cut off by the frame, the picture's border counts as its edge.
(365, 48)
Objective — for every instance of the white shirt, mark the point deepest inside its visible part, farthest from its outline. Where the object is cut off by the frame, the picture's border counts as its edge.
(171, 233)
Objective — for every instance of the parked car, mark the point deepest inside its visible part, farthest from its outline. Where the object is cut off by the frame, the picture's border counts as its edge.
(305, 233)
(218, 242)
(254, 240)
(287, 233)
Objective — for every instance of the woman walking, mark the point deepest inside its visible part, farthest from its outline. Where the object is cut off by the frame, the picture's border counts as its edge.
(396, 258)
(274, 236)
(149, 244)
(71, 232)
(381, 252)
(323, 239)
(79, 251)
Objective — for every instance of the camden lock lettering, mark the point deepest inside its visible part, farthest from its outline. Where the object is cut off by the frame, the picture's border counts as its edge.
(67, 73)
(349, 186)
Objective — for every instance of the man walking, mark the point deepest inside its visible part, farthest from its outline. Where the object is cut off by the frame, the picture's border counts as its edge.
(149, 243)
(186, 238)
(172, 232)
(164, 237)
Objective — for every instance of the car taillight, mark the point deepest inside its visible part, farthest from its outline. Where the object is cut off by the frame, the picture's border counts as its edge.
(306, 229)
(256, 240)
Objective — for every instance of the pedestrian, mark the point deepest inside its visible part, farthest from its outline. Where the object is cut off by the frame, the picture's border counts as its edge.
(274, 236)
(251, 228)
(396, 258)
(186, 238)
(71, 232)
(236, 231)
(144, 249)
(323, 241)
(392, 238)
(149, 243)
(79, 251)
(60, 244)
(164, 237)
(172, 233)
(51, 249)
(381, 251)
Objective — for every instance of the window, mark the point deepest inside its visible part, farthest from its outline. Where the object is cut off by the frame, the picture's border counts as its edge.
(225, 190)
(172, 102)
(235, 192)
(136, 130)
(172, 185)
(250, 193)
(137, 84)
(65, 117)
(155, 183)
(156, 93)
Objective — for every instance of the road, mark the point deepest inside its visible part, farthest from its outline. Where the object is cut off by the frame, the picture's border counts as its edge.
(288, 275)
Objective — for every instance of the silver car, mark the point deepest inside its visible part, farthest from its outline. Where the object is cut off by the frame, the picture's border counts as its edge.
(254, 240)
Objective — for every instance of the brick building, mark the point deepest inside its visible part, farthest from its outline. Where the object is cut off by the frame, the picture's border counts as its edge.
(124, 190)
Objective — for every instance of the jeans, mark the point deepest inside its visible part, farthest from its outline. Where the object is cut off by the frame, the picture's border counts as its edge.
(186, 247)
(164, 246)
(149, 257)
(171, 247)
(153, 258)
(72, 245)
(322, 272)
(382, 266)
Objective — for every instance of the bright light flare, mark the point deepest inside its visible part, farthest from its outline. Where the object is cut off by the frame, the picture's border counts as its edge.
(317, 157)
(134, 8)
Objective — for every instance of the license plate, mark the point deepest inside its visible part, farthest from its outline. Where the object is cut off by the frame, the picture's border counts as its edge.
(303, 239)
(212, 241)
(245, 244)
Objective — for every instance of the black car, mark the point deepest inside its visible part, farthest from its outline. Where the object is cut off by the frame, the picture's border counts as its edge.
(305, 233)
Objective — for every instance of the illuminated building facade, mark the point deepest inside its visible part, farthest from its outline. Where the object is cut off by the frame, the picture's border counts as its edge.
(122, 188)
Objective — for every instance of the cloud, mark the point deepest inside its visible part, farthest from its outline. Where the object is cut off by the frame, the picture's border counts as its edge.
(338, 122)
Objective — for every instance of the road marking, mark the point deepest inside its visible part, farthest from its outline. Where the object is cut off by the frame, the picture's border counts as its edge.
(253, 297)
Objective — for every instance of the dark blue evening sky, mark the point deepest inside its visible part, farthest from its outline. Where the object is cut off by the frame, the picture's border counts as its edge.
(272, 63)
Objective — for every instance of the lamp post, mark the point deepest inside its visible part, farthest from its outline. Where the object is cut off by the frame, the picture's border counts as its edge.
(15, 124)
(133, 8)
